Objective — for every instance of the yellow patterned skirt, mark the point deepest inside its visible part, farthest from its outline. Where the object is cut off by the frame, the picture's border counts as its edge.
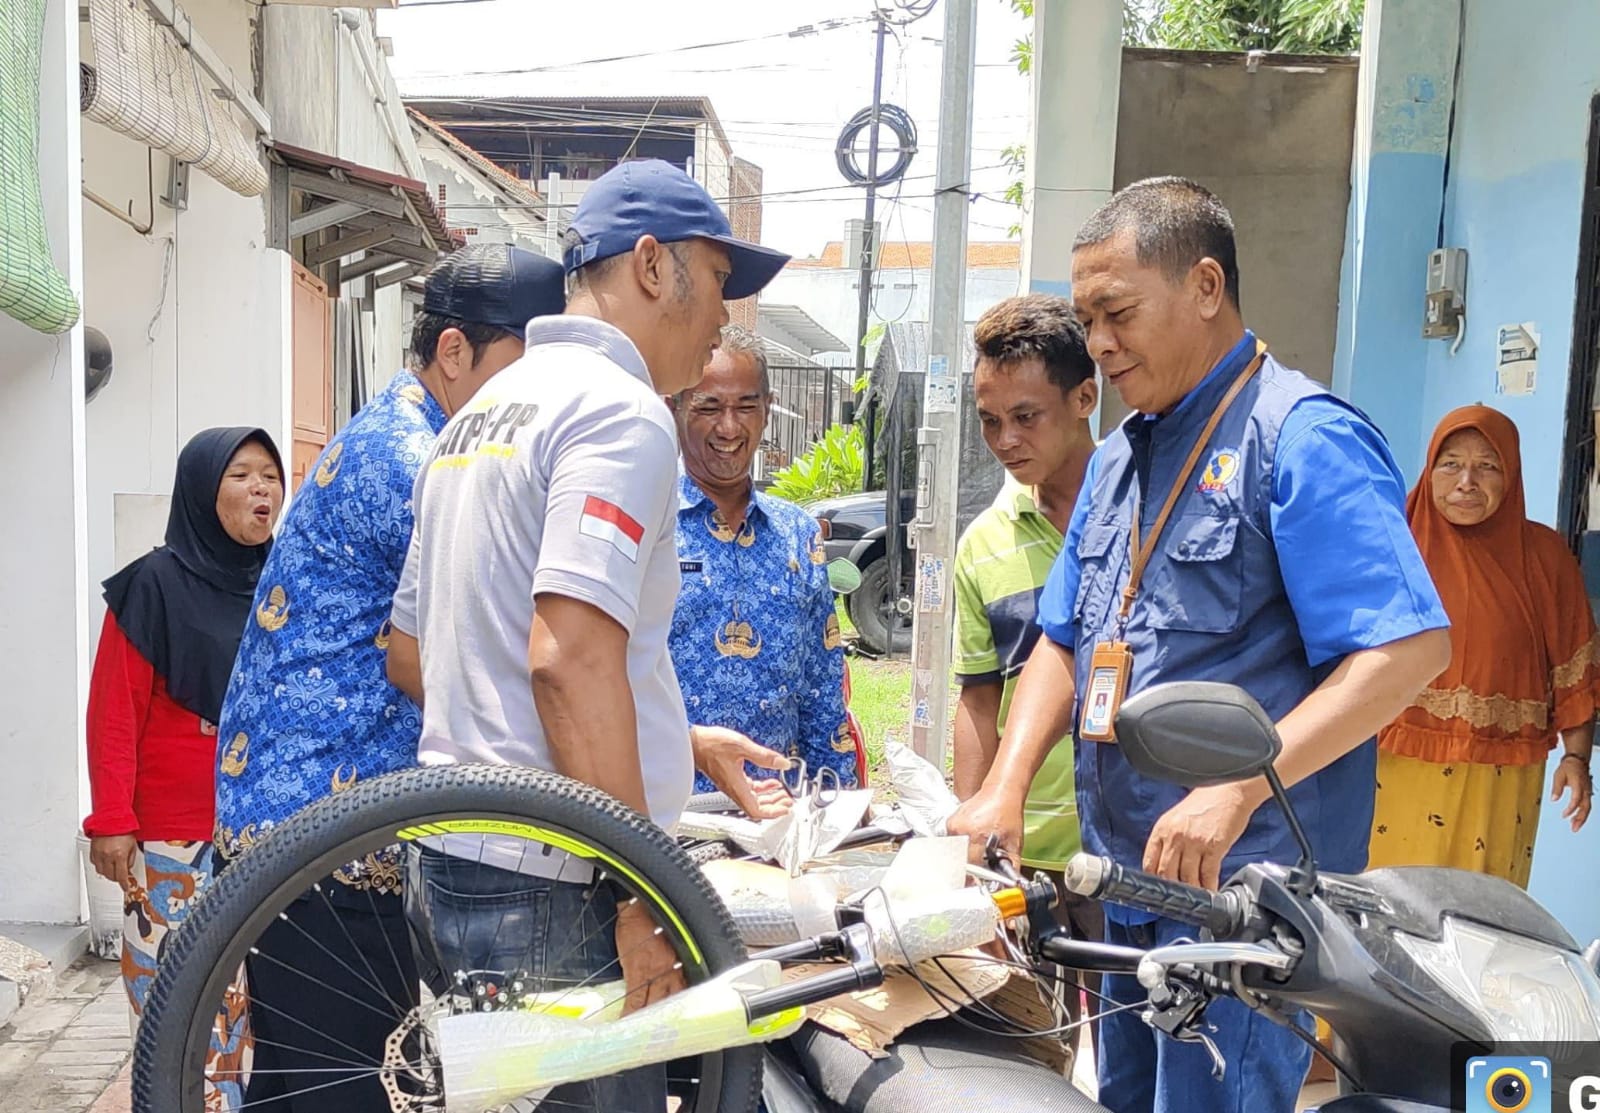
(1464, 816)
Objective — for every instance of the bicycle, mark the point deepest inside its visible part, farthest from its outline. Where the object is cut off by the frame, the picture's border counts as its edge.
(1363, 951)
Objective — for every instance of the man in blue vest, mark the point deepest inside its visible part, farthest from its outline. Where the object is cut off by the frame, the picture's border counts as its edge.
(1285, 567)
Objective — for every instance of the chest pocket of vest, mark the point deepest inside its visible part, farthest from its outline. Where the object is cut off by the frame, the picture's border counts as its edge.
(1097, 548)
(1197, 584)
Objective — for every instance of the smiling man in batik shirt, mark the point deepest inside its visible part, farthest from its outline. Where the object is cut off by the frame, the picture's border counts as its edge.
(309, 710)
(755, 638)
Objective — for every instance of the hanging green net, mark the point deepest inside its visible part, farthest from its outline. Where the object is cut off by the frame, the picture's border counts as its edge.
(31, 289)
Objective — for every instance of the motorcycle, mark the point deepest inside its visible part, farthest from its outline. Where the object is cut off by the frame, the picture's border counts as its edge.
(1419, 971)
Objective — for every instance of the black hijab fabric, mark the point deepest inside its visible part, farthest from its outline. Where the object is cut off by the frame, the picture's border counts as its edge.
(184, 606)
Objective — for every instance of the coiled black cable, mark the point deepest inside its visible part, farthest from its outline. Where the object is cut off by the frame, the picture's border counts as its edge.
(899, 123)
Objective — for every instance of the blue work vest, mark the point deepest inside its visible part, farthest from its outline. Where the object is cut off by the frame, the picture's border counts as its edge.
(1212, 606)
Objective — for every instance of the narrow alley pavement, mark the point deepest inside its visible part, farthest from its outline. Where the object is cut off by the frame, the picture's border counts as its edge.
(69, 1053)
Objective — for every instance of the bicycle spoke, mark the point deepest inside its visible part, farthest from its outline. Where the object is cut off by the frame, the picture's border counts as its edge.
(374, 984)
(617, 962)
(257, 1003)
(377, 918)
(257, 1041)
(313, 1089)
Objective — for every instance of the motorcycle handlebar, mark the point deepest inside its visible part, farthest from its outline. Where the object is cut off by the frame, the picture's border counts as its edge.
(1223, 914)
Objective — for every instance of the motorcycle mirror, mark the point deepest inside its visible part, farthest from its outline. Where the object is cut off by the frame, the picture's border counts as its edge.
(843, 576)
(1196, 733)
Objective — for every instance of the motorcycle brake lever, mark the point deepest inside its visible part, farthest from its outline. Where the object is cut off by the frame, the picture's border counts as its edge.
(1179, 1011)
(1219, 1065)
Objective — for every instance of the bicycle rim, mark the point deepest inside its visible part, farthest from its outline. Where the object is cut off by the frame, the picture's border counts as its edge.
(283, 878)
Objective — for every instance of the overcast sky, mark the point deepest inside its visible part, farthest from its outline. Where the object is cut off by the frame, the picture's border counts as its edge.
(781, 99)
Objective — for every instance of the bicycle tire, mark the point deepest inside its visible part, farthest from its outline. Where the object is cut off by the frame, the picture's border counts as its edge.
(712, 802)
(169, 1053)
(711, 852)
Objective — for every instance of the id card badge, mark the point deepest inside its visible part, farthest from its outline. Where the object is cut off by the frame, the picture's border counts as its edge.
(1109, 670)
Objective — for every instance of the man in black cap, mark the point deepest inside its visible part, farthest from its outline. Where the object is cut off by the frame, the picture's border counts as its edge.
(309, 711)
(541, 583)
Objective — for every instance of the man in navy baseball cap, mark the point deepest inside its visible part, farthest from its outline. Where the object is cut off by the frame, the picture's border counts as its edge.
(495, 284)
(654, 198)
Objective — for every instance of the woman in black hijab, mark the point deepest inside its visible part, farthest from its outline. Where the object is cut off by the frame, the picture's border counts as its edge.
(173, 622)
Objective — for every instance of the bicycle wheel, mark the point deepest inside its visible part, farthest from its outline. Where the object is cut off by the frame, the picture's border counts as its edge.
(296, 867)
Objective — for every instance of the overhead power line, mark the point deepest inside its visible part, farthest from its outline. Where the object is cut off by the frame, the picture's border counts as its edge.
(807, 29)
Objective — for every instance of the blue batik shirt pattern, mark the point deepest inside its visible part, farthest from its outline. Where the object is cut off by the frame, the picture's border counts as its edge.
(755, 637)
(309, 710)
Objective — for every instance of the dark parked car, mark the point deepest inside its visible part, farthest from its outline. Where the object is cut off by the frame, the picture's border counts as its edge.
(853, 527)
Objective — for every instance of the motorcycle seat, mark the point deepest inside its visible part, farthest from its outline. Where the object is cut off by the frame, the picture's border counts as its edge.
(939, 1064)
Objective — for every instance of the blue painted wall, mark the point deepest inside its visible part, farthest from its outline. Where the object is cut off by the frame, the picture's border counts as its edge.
(1403, 118)
(1513, 197)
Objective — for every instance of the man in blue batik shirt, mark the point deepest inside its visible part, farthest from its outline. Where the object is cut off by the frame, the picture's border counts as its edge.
(755, 638)
(1286, 568)
(309, 710)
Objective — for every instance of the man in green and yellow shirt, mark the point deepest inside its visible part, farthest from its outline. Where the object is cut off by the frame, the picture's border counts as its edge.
(1035, 388)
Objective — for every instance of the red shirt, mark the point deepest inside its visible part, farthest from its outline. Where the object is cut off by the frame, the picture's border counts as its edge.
(152, 762)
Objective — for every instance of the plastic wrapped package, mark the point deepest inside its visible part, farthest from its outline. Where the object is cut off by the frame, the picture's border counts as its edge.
(489, 1059)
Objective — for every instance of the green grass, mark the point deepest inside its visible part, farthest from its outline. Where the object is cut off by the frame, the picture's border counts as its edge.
(880, 695)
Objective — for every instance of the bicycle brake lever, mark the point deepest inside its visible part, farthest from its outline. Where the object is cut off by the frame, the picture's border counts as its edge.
(999, 862)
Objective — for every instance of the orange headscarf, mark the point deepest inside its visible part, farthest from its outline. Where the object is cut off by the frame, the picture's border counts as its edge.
(1523, 655)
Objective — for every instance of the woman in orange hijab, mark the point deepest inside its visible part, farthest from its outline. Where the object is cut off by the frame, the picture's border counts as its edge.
(1461, 772)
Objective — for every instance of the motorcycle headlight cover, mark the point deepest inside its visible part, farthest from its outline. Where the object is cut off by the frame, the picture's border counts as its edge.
(1522, 989)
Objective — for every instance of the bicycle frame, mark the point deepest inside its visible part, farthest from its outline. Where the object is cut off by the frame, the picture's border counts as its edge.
(488, 1059)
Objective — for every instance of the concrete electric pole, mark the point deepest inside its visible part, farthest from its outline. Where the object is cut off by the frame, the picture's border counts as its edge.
(934, 530)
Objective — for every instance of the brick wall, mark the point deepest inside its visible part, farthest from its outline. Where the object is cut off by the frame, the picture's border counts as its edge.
(744, 213)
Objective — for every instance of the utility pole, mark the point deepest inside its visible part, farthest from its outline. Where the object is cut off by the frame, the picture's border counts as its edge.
(869, 236)
(938, 473)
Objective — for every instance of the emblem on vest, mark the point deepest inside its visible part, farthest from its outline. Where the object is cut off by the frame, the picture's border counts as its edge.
(1220, 469)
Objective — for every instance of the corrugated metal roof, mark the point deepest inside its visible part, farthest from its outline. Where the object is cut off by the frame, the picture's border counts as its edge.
(416, 193)
(803, 327)
(442, 108)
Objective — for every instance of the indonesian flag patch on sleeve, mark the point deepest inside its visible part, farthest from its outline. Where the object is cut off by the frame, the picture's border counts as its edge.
(609, 522)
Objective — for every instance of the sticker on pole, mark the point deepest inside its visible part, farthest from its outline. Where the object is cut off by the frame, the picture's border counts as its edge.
(940, 393)
(930, 584)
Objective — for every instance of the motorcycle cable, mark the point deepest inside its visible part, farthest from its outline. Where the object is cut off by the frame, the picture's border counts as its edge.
(1275, 1015)
(956, 1005)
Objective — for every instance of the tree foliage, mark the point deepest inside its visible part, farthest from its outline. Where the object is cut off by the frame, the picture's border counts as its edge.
(832, 466)
(1277, 26)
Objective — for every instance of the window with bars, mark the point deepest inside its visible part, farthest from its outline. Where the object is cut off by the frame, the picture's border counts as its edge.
(1582, 417)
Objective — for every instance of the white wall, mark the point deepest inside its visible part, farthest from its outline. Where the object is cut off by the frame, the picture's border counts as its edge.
(194, 311)
(322, 98)
(471, 201)
(713, 164)
(831, 297)
(43, 626)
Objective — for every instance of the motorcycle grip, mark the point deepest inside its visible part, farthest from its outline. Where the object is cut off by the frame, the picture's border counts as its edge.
(1102, 879)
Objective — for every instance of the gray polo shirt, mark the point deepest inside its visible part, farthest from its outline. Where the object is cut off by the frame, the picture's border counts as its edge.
(559, 476)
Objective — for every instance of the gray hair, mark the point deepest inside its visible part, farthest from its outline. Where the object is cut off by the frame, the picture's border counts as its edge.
(739, 341)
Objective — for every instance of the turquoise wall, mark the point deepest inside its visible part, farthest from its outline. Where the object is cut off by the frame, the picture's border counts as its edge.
(1513, 197)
